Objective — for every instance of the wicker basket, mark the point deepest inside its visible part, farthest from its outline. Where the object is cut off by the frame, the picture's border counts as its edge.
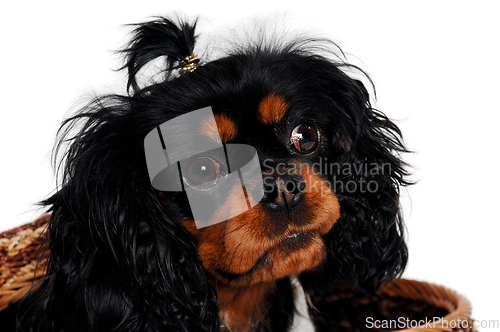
(340, 309)
(403, 305)
(19, 267)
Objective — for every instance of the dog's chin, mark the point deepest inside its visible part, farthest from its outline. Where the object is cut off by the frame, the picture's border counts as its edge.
(294, 254)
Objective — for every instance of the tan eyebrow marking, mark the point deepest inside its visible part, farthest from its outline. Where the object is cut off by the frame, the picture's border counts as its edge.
(226, 128)
(272, 109)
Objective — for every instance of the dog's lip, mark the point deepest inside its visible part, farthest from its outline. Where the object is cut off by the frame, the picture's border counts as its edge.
(294, 238)
(292, 242)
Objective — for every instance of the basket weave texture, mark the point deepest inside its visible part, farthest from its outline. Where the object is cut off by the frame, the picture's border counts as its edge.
(402, 305)
(340, 309)
(19, 251)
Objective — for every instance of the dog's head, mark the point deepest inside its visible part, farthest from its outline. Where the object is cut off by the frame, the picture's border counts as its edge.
(330, 172)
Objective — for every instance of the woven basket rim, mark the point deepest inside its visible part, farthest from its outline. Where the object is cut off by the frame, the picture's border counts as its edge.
(20, 267)
(458, 306)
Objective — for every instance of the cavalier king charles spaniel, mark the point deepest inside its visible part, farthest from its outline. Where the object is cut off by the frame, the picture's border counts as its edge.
(127, 255)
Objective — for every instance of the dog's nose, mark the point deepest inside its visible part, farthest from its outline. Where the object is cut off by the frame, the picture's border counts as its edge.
(283, 192)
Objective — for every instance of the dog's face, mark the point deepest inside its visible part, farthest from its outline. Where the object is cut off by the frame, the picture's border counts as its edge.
(282, 234)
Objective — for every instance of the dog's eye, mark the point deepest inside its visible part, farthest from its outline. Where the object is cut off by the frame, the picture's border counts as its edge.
(202, 173)
(304, 138)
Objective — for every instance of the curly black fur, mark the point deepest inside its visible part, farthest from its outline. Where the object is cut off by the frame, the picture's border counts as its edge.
(120, 260)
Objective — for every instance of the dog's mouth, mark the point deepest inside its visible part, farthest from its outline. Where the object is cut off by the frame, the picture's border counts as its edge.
(293, 254)
(293, 242)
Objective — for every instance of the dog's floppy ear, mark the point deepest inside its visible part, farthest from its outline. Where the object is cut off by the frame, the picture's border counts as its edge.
(120, 260)
(155, 39)
(366, 246)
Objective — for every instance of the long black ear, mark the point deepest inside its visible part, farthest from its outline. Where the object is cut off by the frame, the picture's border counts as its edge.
(119, 258)
(367, 245)
(155, 39)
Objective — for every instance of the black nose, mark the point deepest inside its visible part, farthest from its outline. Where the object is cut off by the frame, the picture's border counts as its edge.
(283, 192)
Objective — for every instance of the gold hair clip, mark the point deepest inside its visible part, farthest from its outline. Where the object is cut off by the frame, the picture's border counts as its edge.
(189, 64)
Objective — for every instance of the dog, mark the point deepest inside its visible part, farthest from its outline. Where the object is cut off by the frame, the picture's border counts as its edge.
(126, 256)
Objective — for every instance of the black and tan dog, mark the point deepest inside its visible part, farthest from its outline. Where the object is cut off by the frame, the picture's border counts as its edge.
(127, 257)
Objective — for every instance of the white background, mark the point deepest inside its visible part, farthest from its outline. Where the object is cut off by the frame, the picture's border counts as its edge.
(434, 63)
